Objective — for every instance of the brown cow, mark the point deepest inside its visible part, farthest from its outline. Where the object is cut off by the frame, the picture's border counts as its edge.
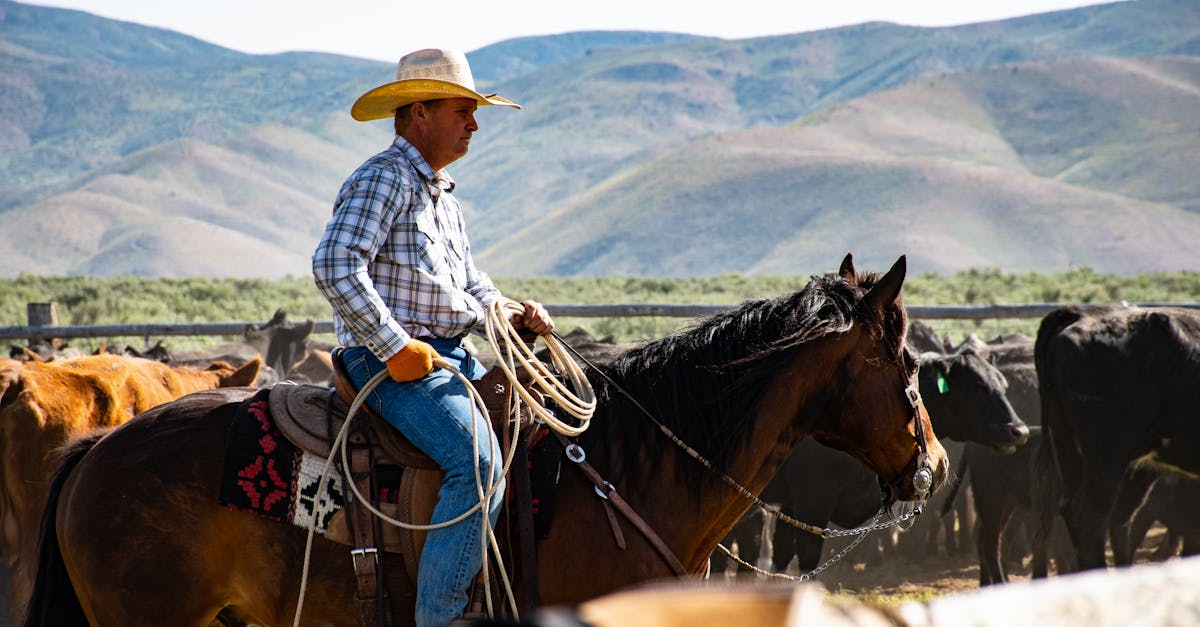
(316, 367)
(43, 404)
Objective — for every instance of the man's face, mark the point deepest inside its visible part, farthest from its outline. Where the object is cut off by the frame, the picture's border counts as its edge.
(448, 126)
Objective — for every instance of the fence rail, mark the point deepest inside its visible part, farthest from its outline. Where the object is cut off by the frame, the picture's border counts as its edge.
(931, 312)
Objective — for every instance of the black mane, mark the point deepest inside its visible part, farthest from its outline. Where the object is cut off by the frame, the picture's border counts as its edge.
(704, 383)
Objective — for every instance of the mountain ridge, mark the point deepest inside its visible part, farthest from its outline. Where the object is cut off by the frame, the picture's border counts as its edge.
(247, 151)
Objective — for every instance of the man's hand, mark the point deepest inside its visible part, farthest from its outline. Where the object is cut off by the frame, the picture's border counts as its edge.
(413, 362)
(535, 319)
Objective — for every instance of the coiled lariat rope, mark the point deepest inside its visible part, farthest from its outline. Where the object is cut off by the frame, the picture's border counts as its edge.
(578, 400)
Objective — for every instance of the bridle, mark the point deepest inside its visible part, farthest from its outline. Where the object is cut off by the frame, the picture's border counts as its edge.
(922, 482)
(922, 476)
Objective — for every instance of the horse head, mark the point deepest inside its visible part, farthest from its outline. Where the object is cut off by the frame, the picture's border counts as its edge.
(873, 409)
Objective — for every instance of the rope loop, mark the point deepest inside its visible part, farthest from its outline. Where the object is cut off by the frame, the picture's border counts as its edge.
(578, 400)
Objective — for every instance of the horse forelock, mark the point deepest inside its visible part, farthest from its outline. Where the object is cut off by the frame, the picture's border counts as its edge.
(704, 383)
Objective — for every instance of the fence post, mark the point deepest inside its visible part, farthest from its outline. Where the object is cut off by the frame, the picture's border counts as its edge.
(41, 315)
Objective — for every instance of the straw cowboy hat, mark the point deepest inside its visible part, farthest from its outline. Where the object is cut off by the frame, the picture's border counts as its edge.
(430, 74)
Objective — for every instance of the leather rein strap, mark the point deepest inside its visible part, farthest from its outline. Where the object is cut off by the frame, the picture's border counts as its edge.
(609, 493)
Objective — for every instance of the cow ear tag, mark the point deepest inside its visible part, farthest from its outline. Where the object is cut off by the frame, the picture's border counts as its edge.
(943, 385)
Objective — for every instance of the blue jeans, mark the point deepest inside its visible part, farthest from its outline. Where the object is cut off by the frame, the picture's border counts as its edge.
(435, 414)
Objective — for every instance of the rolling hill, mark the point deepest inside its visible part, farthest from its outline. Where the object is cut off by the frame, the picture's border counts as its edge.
(1050, 141)
(965, 170)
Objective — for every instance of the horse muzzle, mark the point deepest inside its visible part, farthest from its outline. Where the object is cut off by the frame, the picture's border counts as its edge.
(920, 480)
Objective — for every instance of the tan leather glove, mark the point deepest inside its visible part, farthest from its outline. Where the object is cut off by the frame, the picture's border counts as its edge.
(413, 361)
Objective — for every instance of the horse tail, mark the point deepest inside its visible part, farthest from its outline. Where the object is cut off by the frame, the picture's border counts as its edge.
(54, 601)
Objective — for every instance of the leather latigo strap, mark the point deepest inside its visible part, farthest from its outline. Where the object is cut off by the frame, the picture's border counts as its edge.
(370, 598)
(610, 494)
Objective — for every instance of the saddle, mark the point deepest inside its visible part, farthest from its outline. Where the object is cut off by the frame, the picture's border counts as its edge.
(310, 416)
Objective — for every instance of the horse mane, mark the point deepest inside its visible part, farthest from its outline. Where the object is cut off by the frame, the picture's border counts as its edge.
(704, 383)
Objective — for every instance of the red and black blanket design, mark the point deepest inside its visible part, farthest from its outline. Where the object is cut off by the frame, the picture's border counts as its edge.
(260, 464)
(265, 474)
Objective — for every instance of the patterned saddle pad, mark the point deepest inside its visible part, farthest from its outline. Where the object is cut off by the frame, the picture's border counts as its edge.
(266, 474)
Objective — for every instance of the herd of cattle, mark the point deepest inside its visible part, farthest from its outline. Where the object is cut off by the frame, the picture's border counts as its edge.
(1089, 432)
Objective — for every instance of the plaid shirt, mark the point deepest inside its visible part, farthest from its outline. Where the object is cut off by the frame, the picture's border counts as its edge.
(394, 260)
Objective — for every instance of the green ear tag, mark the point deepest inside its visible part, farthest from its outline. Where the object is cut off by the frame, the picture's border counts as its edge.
(943, 385)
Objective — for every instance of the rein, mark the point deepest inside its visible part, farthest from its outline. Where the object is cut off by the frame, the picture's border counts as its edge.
(922, 480)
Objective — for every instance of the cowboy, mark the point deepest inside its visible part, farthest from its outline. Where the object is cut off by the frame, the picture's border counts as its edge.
(396, 265)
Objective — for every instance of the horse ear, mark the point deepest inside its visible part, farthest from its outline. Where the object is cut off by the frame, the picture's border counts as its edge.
(887, 290)
(846, 271)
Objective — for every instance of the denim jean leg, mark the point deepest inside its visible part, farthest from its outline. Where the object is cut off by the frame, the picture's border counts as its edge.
(435, 413)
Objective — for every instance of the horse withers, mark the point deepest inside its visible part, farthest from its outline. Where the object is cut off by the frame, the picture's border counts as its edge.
(134, 534)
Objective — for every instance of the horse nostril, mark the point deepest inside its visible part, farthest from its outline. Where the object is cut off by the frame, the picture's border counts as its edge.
(1020, 433)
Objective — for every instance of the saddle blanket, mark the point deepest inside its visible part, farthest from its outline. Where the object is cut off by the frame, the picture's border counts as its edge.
(265, 474)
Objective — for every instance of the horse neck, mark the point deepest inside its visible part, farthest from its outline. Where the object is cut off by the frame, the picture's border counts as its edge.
(789, 408)
(693, 517)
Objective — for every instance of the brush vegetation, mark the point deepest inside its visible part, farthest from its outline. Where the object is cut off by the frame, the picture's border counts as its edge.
(116, 300)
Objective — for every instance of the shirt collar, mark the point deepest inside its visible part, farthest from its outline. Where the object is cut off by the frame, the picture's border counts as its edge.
(440, 179)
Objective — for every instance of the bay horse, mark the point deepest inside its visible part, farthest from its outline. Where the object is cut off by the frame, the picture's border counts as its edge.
(134, 535)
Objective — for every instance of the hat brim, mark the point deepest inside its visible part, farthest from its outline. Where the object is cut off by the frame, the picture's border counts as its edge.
(383, 101)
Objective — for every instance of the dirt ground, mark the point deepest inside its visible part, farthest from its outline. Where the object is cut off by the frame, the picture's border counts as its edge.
(881, 574)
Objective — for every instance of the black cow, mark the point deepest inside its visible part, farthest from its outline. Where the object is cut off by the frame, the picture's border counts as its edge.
(824, 486)
(1000, 483)
(1117, 384)
(967, 401)
(1002, 489)
(924, 339)
(1174, 501)
(1152, 493)
(1012, 354)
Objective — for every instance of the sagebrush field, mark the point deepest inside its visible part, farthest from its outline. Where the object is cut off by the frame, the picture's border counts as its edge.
(90, 300)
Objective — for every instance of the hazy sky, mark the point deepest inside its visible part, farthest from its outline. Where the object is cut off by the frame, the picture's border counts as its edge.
(385, 30)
